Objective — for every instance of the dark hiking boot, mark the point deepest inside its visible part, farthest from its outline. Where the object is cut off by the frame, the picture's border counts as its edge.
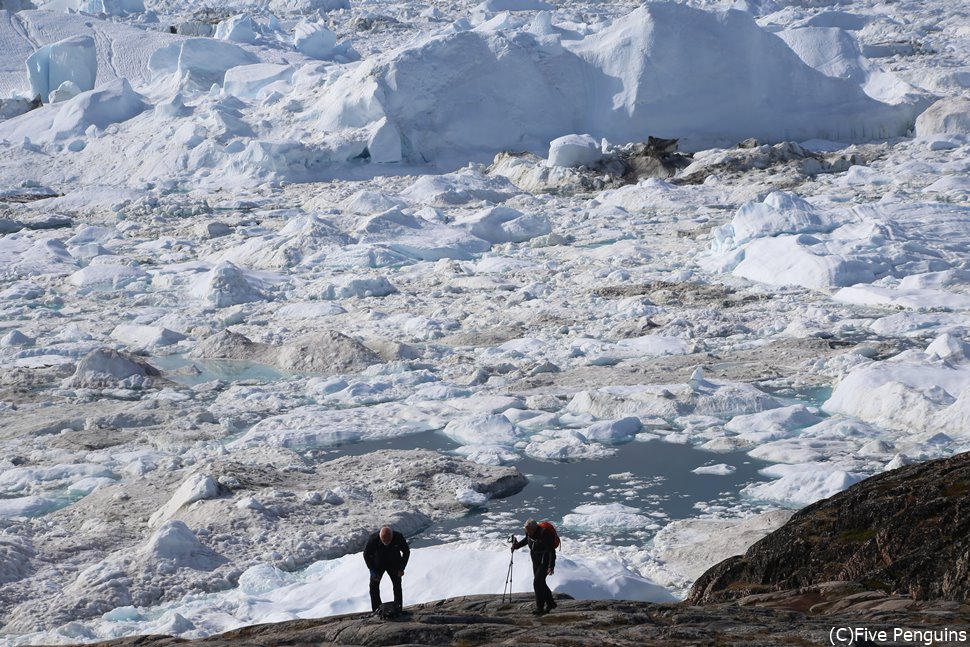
(539, 612)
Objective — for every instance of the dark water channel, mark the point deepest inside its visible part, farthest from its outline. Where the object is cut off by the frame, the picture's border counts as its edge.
(656, 480)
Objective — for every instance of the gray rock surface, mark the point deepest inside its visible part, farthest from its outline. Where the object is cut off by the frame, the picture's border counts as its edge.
(485, 620)
(905, 531)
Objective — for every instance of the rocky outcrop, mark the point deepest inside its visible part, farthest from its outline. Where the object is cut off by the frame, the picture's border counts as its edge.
(485, 620)
(619, 166)
(906, 531)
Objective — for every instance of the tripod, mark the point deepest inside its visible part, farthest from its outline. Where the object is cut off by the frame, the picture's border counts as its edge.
(508, 576)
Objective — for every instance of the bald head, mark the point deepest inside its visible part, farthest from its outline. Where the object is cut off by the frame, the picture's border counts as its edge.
(386, 535)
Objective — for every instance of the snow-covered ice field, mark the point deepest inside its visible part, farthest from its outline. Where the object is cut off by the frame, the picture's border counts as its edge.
(276, 272)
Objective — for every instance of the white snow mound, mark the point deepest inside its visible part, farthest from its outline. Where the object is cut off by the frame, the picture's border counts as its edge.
(111, 103)
(175, 542)
(574, 150)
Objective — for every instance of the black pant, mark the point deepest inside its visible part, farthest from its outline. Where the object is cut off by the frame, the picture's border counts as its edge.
(375, 587)
(544, 599)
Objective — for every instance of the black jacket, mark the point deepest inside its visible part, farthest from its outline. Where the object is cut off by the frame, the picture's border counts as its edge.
(540, 548)
(393, 557)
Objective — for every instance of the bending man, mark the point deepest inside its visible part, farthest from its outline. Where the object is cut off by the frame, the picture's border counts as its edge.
(386, 552)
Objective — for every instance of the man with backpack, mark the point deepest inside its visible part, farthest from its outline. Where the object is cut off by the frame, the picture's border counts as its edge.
(386, 552)
(543, 542)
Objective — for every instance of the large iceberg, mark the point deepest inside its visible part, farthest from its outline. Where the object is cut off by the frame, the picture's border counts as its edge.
(665, 69)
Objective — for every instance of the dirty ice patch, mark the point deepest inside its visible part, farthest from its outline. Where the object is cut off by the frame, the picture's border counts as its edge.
(315, 426)
(688, 547)
(15, 556)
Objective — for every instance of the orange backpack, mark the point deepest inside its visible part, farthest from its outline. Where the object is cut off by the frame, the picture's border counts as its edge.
(551, 529)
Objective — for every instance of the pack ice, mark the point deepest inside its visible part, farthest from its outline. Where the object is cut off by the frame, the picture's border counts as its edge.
(260, 295)
(665, 69)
